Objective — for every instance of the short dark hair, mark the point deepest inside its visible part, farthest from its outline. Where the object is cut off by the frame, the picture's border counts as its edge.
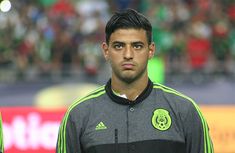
(129, 18)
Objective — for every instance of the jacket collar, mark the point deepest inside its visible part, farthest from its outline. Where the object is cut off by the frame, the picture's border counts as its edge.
(124, 101)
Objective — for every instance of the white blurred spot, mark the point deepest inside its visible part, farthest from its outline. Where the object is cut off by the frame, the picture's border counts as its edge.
(5, 6)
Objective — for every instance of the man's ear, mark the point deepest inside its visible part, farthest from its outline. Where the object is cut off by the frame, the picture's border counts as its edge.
(105, 50)
(152, 49)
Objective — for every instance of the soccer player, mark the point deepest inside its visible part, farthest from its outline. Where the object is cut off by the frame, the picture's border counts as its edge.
(131, 113)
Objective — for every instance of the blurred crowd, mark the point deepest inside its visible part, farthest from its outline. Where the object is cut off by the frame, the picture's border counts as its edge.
(61, 38)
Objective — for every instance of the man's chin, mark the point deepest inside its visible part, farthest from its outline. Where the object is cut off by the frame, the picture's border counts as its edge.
(128, 79)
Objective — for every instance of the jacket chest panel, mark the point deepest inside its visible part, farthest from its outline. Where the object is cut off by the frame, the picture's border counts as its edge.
(127, 124)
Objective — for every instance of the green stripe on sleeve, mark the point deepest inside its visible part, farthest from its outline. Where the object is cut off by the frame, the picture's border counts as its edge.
(62, 134)
(208, 148)
(1, 135)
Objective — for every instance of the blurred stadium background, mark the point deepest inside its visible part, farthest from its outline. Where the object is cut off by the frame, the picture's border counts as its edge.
(50, 55)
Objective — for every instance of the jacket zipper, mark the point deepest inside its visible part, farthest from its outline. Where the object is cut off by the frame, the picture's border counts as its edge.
(127, 128)
(116, 140)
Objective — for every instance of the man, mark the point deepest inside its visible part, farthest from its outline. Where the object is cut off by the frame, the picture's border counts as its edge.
(1, 135)
(131, 113)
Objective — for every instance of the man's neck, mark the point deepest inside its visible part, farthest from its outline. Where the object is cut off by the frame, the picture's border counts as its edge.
(130, 90)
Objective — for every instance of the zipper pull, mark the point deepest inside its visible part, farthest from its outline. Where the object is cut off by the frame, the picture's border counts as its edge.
(116, 140)
(116, 136)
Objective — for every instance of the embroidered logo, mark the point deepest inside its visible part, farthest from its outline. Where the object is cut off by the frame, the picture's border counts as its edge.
(100, 126)
(161, 119)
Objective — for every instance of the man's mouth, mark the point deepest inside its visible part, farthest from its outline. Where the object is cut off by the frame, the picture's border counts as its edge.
(128, 66)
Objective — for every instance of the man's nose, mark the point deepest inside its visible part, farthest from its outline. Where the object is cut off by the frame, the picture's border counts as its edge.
(128, 52)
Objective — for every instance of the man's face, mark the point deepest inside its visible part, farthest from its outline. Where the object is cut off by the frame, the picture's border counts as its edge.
(128, 52)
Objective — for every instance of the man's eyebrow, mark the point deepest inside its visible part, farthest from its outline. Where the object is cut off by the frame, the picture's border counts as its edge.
(138, 42)
(134, 42)
(117, 42)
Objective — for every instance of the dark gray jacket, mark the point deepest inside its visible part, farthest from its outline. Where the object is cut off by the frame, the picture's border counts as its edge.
(160, 120)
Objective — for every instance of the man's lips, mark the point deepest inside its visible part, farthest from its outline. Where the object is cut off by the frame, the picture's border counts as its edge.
(128, 66)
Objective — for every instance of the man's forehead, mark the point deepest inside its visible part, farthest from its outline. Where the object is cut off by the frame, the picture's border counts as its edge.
(129, 30)
(129, 36)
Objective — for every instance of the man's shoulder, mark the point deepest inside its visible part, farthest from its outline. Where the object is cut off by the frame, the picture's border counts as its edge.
(166, 89)
(90, 98)
(171, 93)
(176, 99)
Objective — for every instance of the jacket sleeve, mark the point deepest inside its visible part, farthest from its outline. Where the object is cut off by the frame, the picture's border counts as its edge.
(197, 132)
(68, 140)
(1, 136)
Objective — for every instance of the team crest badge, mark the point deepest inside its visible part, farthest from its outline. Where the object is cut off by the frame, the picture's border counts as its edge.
(161, 119)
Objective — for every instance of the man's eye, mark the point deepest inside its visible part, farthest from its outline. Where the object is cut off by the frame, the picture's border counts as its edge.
(118, 46)
(138, 46)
